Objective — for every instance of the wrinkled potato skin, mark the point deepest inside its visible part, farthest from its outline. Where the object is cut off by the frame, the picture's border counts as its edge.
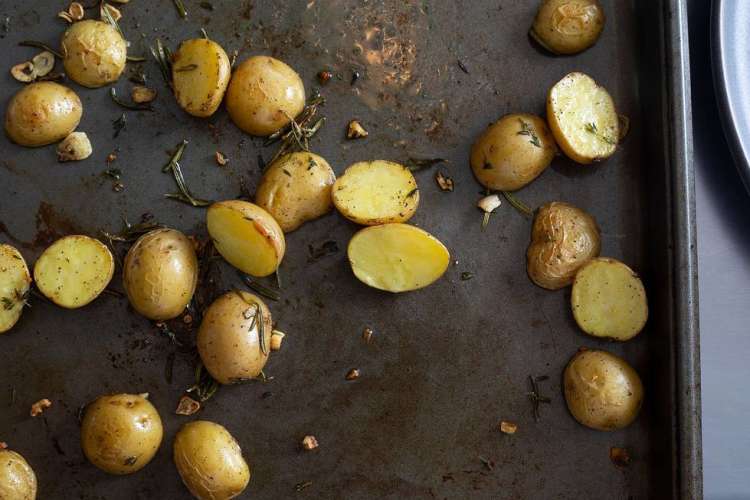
(94, 53)
(295, 189)
(504, 157)
(563, 239)
(210, 461)
(160, 274)
(264, 95)
(230, 351)
(118, 427)
(602, 391)
(17, 478)
(42, 113)
(568, 26)
(200, 91)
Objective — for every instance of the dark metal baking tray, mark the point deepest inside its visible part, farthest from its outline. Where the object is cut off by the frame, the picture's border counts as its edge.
(448, 362)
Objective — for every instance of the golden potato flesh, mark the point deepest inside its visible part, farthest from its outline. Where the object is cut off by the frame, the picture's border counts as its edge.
(602, 391)
(608, 300)
(94, 53)
(563, 239)
(295, 189)
(42, 113)
(210, 461)
(264, 95)
(121, 433)
(376, 192)
(200, 76)
(74, 270)
(512, 152)
(160, 274)
(568, 26)
(17, 478)
(234, 337)
(247, 236)
(15, 282)
(397, 257)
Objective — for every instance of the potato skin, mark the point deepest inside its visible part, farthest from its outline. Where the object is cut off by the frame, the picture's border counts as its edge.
(602, 391)
(200, 91)
(94, 53)
(264, 95)
(121, 433)
(42, 113)
(160, 274)
(563, 239)
(512, 152)
(210, 461)
(229, 349)
(15, 281)
(567, 27)
(17, 478)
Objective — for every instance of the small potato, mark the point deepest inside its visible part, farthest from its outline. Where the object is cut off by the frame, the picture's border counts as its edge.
(160, 274)
(568, 26)
(563, 239)
(602, 391)
(264, 95)
(15, 282)
(210, 461)
(121, 433)
(376, 192)
(397, 257)
(94, 53)
(247, 236)
(74, 270)
(295, 189)
(234, 338)
(200, 76)
(17, 478)
(583, 119)
(609, 300)
(42, 113)
(512, 152)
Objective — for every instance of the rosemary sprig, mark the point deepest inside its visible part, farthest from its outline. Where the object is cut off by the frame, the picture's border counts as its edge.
(535, 397)
(528, 131)
(257, 319)
(180, 8)
(40, 45)
(592, 129)
(262, 289)
(300, 130)
(119, 125)
(518, 204)
(174, 166)
(128, 105)
(205, 386)
(163, 58)
(111, 20)
(417, 164)
(131, 232)
(8, 303)
(204, 33)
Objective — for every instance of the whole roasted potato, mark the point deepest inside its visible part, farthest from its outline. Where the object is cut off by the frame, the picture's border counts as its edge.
(264, 95)
(15, 282)
(200, 75)
(295, 189)
(160, 274)
(94, 53)
(17, 478)
(563, 239)
(42, 113)
(121, 433)
(512, 152)
(602, 391)
(568, 26)
(234, 338)
(210, 461)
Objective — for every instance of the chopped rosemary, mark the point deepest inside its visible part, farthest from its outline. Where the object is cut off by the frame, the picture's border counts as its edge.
(329, 247)
(591, 128)
(180, 8)
(169, 367)
(303, 485)
(131, 232)
(535, 397)
(8, 303)
(205, 386)
(203, 32)
(40, 45)
(257, 319)
(128, 105)
(262, 289)
(528, 131)
(174, 166)
(518, 204)
(417, 164)
(163, 58)
(119, 125)
(207, 5)
(300, 130)
(187, 67)
(135, 59)
(462, 66)
(466, 276)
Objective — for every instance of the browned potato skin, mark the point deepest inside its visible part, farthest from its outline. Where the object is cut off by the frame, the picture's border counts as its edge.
(563, 239)
(211, 76)
(295, 189)
(567, 27)
(230, 351)
(17, 478)
(42, 113)
(506, 158)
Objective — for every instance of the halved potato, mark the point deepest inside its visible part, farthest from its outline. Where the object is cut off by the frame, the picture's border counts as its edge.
(74, 270)
(583, 118)
(14, 285)
(247, 236)
(200, 75)
(397, 257)
(376, 192)
(609, 300)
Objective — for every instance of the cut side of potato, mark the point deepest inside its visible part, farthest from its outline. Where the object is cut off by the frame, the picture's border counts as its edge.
(609, 300)
(376, 192)
(397, 257)
(15, 281)
(74, 270)
(200, 76)
(246, 236)
(583, 118)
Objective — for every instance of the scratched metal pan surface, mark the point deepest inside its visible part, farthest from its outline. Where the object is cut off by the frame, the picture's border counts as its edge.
(447, 363)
